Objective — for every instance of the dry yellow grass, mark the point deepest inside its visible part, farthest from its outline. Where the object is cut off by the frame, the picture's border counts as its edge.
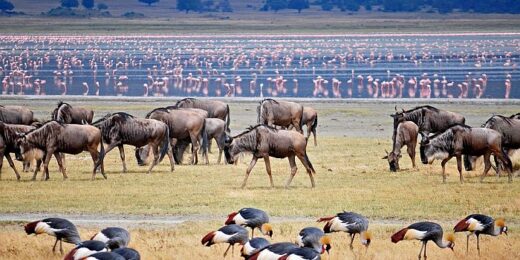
(183, 242)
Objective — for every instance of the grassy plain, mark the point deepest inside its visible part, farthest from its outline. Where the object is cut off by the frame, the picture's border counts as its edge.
(350, 176)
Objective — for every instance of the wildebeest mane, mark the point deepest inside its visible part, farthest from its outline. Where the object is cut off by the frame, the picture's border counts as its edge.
(268, 100)
(467, 127)
(515, 115)
(251, 128)
(493, 119)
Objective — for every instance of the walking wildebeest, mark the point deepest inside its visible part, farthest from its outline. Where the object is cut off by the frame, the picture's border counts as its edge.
(19, 115)
(182, 124)
(264, 141)
(121, 128)
(55, 138)
(215, 109)
(429, 119)
(281, 113)
(459, 140)
(215, 129)
(8, 135)
(65, 113)
(509, 128)
(407, 132)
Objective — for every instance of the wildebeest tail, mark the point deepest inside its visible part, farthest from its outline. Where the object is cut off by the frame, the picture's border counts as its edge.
(301, 121)
(101, 155)
(507, 161)
(467, 162)
(165, 144)
(228, 118)
(309, 161)
(205, 138)
(314, 125)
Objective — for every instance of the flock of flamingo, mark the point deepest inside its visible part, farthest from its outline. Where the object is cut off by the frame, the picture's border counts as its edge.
(390, 66)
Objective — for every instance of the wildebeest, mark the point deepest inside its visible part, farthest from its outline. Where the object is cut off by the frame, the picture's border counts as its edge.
(461, 139)
(19, 115)
(406, 135)
(429, 119)
(508, 127)
(65, 113)
(8, 135)
(515, 116)
(182, 124)
(55, 138)
(121, 128)
(215, 129)
(310, 119)
(281, 113)
(264, 141)
(215, 109)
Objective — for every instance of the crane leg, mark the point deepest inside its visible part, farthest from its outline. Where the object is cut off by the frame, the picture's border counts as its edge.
(61, 246)
(425, 250)
(54, 247)
(352, 240)
(225, 253)
(467, 242)
(420, 252)
(478, 245)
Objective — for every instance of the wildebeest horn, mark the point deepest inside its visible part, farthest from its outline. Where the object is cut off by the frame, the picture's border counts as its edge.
(395, 108)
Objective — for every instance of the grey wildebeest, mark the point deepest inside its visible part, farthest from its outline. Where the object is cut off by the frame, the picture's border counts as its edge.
(8, 135)
(19, 115)
(406, 135)
(509, 128)
(215, 109)
(264, 141)
(459, 140)
(65, 113)
(281, 113)
(121, 128)
(310, 119)
(54, 138)
(429, 119)
(182, 124)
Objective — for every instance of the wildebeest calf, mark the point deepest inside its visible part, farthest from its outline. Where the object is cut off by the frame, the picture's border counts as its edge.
(406, 135)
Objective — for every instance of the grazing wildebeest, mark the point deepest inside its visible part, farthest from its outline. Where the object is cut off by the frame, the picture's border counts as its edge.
(407, 132)
(65, 113)
(215, 109)
(509, 128)
(182, 124)
(55, 138)
(19, 115)
(310, 119)
(121, 128)
(281, 113)
(8, 135)
(459, 140)
(264, 141)
(429, 119)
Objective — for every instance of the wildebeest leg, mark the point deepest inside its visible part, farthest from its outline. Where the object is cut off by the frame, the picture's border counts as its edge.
(170, 156)
(443, 164)
(248, 171)
(46, 161)
(11, 163)
(155, 150)
(292, 163)
(60, 164)
(305, 161)
(459, 167)
(122, 155)
(194, 149)
(487, 166)
(95, 157)
(268, 169)
(38, 165)
(411, 152)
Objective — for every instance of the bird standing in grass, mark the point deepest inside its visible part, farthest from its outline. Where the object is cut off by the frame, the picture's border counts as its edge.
(314, 238)
(231, 234)
(114, 237)
(85, 249)
(480, 224)
(350, 222)
(425, 231)
(253, 218)
(60, 228)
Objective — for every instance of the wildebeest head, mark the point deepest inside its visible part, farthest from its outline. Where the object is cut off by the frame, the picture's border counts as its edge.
(398, 117)
(230, 150)
(430, 151)
(393, 160)
(26, 151)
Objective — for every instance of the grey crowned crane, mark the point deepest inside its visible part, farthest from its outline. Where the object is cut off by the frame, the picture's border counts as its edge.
(252, 218)
(350, 222)
(302, 253)
(85, 249)
(128, 253)
(315, 239)
(231, 234)
(60, 228)
(478, 224)
(114, 237)
(253, 246)
(425, 231)
(273, 251)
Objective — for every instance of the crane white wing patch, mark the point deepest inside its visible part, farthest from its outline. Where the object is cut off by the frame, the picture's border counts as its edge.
(221, 237)
(414, 234)
(474, 225)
